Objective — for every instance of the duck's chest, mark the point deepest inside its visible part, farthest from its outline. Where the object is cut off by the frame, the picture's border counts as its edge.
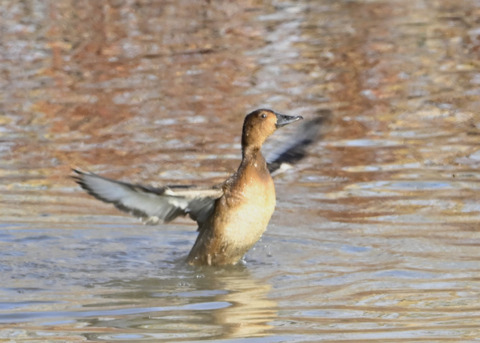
(247, 207)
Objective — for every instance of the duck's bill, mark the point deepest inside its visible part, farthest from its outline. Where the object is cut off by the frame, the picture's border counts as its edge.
(283, 119)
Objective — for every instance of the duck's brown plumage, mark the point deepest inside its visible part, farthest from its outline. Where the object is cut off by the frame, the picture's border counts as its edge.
(240, 215)
(231, 217)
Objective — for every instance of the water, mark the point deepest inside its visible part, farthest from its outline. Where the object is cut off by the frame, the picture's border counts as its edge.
(375, 236)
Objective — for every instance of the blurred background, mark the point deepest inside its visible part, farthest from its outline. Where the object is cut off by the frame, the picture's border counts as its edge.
(375, 236)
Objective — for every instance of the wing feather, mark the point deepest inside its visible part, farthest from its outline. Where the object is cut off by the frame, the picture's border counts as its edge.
(151, 204)
(297, 148)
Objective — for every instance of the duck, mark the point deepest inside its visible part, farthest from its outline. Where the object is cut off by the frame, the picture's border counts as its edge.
(231, 216)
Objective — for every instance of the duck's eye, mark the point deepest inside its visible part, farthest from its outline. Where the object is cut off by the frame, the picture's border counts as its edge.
(263, 115)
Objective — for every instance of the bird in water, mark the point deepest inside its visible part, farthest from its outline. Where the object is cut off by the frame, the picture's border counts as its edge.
(231, 216)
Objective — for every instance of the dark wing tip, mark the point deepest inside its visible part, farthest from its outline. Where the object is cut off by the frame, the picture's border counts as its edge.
(308, 133)
(79, 178)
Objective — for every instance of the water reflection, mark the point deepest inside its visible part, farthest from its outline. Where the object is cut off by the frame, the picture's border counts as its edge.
(219, 304)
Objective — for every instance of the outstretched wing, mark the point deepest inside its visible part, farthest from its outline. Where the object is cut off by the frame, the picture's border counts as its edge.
(307, 134)
(151, 204)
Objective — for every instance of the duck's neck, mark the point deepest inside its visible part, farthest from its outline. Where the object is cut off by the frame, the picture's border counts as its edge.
(250, 153)
(252, 167)
(252, 156)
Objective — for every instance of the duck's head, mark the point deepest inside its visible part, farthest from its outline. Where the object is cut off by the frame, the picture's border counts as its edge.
(260, 124)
